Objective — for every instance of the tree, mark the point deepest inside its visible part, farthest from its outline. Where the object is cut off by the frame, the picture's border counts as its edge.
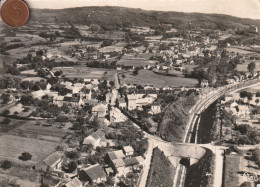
(39, 53)
(136, 71)
(5, 98)
(112, 83)
(70, 167)
(61, 118)
(257, 94)
(25, 156)
(25, 85)
(72, 154)
(58, 73)
(123, 76)
(251, 67)
(6, 112)
(256, 156)
(94, 27)
(6, 121)
(6, 164)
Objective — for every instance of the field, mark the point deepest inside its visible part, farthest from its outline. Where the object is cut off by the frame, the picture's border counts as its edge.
(24, 136)
(86, 72)
(146, 77)
(238, 50)
(8, 59)
(13, 146)
(136, 60)
(112, 48)
(243, 67)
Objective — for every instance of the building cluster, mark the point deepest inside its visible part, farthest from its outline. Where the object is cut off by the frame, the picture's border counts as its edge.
(242, 108)
(117, 163)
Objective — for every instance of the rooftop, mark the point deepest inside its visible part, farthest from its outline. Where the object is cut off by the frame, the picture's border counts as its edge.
(128, 149)
(52, 158)
(74, 183)
(116, 154)
(95, 172)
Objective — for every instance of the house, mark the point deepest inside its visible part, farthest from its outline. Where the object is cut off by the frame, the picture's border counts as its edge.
(234, 105)
(124, 166)
(100, 110)
(243, 110)
(75, 182)
(134, 102)
(128, 151)
(230, 81)
(156, 108)
(149, 87)
(51, 163)
(96, 139)
(85, 93)
(94, 81)
(113, 155)
(236, 96)
(116, 115)
(94, 174)
(73, 100)
(121, 103)
(151, 93)
(227, 98)
(204, 83)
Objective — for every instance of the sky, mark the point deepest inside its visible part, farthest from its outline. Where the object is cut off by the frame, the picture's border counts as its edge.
(238, 8)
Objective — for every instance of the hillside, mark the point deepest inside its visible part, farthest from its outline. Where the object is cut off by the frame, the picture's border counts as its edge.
(119, 16)
(174, 121)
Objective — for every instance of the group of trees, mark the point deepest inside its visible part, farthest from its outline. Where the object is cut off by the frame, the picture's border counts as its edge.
(33, 86)
(244, 94)
(100, 64)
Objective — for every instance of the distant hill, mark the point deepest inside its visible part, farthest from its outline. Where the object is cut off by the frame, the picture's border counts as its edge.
(118, 16)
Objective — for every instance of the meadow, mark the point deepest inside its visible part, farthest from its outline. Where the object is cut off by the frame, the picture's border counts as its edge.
(243, 67)
(86, 72)
(146, 77)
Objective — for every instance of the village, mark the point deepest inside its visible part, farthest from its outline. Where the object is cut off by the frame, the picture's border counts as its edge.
(85, 100)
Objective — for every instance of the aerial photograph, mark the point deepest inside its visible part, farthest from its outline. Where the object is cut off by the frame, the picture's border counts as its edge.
(131, 93)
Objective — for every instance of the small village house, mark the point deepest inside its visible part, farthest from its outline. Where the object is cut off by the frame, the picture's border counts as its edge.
(121, 103)
(204, 83)
(128, 151)
(116, 115)
(75, 182)
(100, 110)
(51, 163)
(156, 108)
(93, 174)
(96, 139)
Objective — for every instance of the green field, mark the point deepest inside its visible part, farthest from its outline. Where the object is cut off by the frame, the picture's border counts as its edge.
(86, 72)
(146, 77)
(24, 136)
(243, 67)
(13, 146)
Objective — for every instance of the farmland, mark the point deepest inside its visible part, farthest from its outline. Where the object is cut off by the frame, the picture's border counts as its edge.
(13, 146)
(86, 72)
(146, 77)
(136, 60)
(24, 136)
(238, 50)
